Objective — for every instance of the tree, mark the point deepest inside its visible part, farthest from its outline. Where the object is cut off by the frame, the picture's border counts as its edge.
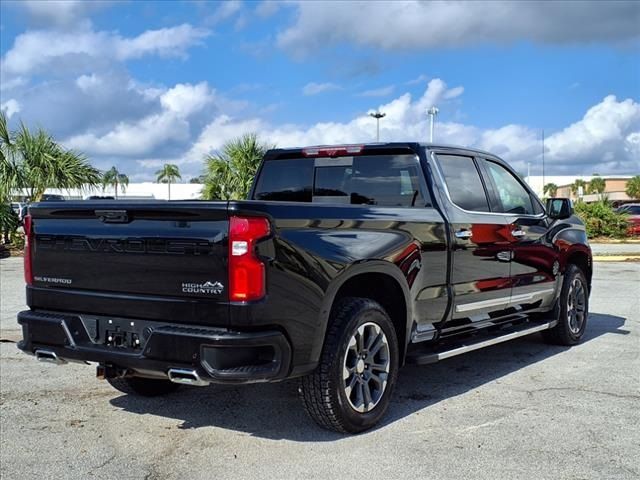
(551, 189)
(168, 174)
(229, 173)
(575, 187)
(597, 185)
(35, 162)
(113, 178)
(633, 187)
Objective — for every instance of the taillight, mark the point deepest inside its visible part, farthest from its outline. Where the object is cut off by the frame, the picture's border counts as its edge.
(332, 151)
(246, 270)
(28, 245)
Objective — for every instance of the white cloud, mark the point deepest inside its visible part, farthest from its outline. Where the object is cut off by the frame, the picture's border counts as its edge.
(378, 92)
(436, 24)
(60, 13)
(10, 107)
(185, 99)
(148, 134)
(36, 50)
(165, 42)
(88, 82)
(608, 131)
(419, 79)
(404, 120)
(454, 92)
(313, 88)
(219, 131)
(131, 139)
(606, 139)
(226, 10)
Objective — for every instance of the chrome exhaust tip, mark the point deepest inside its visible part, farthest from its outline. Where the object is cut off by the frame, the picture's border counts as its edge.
(186, 377)
(49, 357)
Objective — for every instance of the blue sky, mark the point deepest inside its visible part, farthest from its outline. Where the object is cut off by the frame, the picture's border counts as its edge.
(139, 84)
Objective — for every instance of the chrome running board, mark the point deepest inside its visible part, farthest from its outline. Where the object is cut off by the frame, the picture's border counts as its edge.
(420, 358)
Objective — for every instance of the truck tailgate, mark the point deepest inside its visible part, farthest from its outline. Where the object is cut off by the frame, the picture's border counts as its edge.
(173, 250)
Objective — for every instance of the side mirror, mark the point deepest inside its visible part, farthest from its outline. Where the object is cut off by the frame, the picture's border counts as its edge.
(559, 208)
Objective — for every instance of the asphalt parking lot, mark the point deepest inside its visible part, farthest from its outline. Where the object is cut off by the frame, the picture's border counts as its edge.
(517, 410)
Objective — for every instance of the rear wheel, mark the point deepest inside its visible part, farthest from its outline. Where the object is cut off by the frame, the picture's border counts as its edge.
(351, 387)
(146, 387)
(573, 309)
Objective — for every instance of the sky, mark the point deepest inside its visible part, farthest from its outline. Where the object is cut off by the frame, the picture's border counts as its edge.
(137, 84)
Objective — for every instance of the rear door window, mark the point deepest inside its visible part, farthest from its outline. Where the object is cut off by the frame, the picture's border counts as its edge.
(463, 182)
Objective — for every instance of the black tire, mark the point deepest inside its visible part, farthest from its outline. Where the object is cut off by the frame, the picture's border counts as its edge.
(145, 387)
(567, 332)
(324, 392)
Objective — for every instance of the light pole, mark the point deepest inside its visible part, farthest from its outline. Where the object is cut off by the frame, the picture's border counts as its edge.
(377, 116)
(432, 112)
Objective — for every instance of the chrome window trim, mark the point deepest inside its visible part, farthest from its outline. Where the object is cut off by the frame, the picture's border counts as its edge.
(435, 161)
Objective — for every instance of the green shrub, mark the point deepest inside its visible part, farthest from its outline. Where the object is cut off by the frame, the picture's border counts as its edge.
(601, 220)
(9, 222)
(17, 240)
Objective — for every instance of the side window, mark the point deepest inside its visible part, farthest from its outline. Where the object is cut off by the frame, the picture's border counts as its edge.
(512, 195)
(463, 182)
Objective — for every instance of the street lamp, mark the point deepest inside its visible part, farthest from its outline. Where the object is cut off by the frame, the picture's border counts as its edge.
(432, 112)
(377, 116)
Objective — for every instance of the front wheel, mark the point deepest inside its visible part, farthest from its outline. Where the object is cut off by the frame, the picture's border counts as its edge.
(351, 388)
(573, 309)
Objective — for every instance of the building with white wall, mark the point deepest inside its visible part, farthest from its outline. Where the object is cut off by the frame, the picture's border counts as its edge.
(138, 191)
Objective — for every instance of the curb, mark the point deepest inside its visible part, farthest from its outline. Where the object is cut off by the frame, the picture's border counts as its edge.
(617, 258)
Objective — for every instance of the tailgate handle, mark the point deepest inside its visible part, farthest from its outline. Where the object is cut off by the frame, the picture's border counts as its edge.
(112, 216)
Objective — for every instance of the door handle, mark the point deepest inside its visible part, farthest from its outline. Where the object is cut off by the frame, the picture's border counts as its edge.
(518, 233)
(463, 234)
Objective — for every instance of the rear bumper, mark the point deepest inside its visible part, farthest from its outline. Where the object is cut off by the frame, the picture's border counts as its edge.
(147, 348)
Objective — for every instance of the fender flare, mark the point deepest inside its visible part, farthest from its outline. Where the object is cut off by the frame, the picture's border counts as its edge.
(360, 268)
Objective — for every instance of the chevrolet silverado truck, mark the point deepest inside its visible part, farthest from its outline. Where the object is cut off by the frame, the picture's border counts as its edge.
(346, 263)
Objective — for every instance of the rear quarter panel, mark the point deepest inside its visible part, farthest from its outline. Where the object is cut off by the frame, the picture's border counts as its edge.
(315, 248)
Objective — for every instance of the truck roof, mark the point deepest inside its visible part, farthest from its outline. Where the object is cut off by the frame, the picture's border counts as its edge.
(280, 152)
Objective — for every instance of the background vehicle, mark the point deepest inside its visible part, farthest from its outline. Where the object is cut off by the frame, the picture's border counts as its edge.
(633, 210)
(52, 197)
(20, 208)
(348, 262)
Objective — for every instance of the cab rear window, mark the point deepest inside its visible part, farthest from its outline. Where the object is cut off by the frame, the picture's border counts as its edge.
(383, 180)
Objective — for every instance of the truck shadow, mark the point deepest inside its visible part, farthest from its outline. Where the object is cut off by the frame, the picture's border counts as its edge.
(273, 411)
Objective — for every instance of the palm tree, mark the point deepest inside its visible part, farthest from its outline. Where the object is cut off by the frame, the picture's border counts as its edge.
(168, 174)
(35, 162)
(551, 189)
(597, 185)
(575, 187)
(113, 178)
(633, 187)
(229, 173)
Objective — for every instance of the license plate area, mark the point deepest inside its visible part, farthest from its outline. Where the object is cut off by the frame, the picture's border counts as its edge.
(123, 334)
(122, 339)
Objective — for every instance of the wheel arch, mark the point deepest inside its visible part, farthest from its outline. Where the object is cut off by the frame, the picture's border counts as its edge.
(582, 259)
(380, 281)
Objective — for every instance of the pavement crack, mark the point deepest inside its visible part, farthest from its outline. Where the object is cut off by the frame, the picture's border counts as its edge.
(103, 464)
(585, 390)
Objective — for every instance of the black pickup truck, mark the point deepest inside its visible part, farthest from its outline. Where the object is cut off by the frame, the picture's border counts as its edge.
(346, 263)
